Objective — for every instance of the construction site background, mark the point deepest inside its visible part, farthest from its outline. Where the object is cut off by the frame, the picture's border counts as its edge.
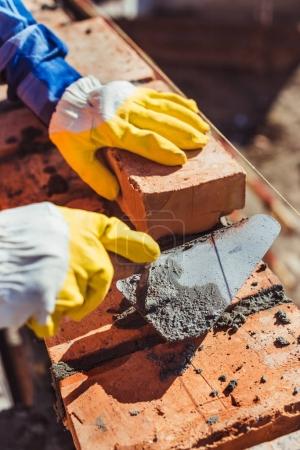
(239, 60)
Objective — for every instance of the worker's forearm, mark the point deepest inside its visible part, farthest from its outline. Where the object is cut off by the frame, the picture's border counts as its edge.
(32, 60)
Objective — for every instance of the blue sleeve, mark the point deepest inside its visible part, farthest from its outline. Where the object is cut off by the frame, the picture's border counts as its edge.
(32, 60)
(14, 17)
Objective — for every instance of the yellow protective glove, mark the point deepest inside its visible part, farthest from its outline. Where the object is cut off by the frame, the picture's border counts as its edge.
(157, 126)
(89, 271)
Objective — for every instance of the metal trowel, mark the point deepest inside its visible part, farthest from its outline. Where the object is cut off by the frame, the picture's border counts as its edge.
(185, 291)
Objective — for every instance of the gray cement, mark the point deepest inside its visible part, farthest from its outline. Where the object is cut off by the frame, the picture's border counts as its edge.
(236, 314)
(230, 387)
(212, 420)
(100, 424)
(182, 300)
(134, 412)
(62, 370)
(282, 318)
(281, 342)
(177, 312)
(222, 378)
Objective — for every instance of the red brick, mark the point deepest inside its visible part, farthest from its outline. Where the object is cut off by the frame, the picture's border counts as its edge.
(188, 199)
(288, 442)
(174, 411)
(14, 125)
(25, 180)
(50, 17)
(95, 49)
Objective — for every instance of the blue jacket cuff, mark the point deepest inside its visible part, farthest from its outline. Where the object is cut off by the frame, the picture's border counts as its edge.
(45, 85)
(35, 69)
(14, 17)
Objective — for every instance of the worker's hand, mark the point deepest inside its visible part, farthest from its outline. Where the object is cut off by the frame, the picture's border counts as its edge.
(157, 126)
(54, 262)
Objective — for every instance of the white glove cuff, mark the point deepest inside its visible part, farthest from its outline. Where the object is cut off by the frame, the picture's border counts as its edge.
(87, 103)
(34, 258)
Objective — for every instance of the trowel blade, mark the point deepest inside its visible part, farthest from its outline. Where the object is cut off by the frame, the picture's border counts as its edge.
(184, 292)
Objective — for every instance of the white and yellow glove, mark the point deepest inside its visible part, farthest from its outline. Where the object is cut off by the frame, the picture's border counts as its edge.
(157, 126)
(54, 263)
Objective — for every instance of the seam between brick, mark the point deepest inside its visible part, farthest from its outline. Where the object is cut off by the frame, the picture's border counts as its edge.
(191, 398)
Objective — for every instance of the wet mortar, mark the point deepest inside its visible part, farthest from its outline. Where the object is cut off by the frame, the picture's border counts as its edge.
(235, 315)
(281, 342)
(212, 420)
(262, 379)
(230, 387)
(177, 312)
(282, 318)
(222, 378)
(62, 370)
(100, 424)
(232, 319)
(266, 299)
(134, 412)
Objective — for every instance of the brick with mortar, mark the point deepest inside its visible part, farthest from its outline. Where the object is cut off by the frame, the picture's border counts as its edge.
(96, 334)
(174, 411)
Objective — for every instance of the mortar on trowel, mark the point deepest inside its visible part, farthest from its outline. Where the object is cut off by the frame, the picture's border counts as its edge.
(185, 291)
